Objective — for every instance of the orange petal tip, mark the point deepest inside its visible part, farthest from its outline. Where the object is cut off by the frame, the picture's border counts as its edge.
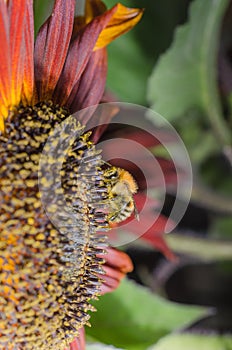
(123, 19)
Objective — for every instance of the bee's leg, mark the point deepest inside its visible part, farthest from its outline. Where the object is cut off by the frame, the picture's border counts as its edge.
(136, 213)
(113, 216)
(119, 215)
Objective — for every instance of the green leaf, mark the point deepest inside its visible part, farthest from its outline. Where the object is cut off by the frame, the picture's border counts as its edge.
(132, 56)
(221, 227)
(125, 76)
(185, 76)
(193, 342)
(199, 140)
(42, 10)
(133, 318)
(125, 58)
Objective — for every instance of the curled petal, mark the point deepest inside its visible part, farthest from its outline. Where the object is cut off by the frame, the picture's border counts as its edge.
(117, 265)
(52, 45)
(121, 22)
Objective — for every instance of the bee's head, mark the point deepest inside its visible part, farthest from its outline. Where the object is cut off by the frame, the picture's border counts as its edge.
(111, 173)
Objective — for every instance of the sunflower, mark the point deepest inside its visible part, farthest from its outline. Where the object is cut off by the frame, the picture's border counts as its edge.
(48, 276)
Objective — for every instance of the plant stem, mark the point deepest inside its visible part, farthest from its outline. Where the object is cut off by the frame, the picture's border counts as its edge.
(203, 248)
(209, 76)
(207, 198)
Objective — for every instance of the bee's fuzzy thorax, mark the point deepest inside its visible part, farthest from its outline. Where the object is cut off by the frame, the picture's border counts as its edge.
(128, 178)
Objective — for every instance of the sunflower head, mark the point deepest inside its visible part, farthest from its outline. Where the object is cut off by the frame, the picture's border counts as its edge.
(49, 275)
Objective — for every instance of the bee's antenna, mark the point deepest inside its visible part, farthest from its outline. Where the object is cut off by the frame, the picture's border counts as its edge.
(103, 161)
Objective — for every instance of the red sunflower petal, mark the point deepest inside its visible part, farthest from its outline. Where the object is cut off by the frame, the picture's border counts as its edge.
(5, 72)
(149, 139)
(92, 84)
(117, 265)
(102, 120)
(28, 81)
(51, 47)
(79, 55)
(78, 343)
(17, 11)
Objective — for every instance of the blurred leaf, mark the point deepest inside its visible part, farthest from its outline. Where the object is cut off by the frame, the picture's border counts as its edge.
(222, 228)
(125, 76)
(185, 77)
(199, 139)
(216, 173)
(126, 57)
(193, 342)
(134, 318)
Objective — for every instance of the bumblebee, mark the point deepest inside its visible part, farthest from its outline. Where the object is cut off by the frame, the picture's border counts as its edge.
(121, 187)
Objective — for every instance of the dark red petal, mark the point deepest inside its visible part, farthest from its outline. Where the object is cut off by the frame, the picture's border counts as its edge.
(79, 55)
(118, 260)
(151, 228)
(28, 81)
(5, 71)
(89, 90)
(102, 119)
(117, 265)
(147, 139)
(109, 111)
(17, 12)
(160, 244)
(109, 284)
(51, 47)
(78, 343)
(141, 199)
